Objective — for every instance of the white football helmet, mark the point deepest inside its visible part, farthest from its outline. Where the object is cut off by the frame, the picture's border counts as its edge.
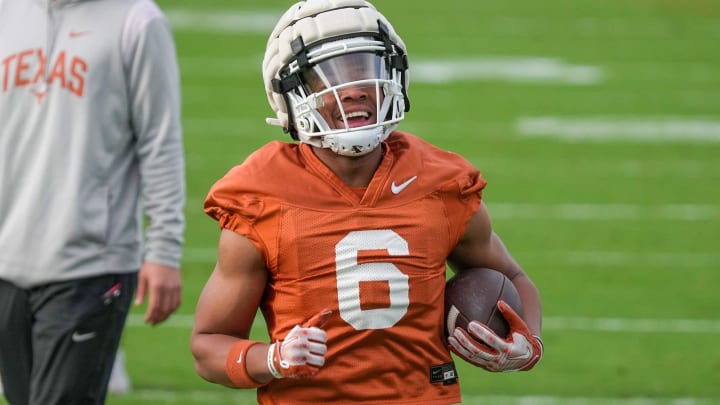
(321, 49)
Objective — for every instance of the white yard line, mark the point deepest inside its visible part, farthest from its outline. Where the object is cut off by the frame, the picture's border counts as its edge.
(635, 129)
(511, 69)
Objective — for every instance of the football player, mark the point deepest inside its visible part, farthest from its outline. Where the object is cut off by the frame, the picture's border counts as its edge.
(341, 239)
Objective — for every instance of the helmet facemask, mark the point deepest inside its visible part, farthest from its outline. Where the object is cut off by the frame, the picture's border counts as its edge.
(345, 94)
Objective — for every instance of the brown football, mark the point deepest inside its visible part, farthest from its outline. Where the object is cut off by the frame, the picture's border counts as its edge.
(472, 295)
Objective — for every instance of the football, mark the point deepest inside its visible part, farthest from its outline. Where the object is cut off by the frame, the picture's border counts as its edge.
(472, 295)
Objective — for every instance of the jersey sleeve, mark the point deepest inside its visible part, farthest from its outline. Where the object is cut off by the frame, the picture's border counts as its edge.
(463, 198)
(240, 210)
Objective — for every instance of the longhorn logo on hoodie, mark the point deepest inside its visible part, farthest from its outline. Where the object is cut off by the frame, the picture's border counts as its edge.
(27, 68)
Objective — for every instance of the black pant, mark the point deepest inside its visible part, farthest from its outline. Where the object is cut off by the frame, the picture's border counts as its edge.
(58, 341)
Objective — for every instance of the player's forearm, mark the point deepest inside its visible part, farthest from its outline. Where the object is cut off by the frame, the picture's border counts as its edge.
(211, 352)
(532, 313)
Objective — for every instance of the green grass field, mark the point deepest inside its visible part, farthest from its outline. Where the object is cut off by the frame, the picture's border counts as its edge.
(597, 126)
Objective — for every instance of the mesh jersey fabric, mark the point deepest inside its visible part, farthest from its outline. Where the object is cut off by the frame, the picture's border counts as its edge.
(378, 261)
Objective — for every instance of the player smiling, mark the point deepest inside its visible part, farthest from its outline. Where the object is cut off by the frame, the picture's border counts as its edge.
(342, 239)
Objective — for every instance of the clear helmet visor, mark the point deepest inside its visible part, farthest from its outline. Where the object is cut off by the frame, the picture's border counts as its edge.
(348, 102)
(344, 69)
(348, 91)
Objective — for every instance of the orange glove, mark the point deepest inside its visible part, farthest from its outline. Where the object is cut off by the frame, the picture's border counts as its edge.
(302, 352)
(520, 351)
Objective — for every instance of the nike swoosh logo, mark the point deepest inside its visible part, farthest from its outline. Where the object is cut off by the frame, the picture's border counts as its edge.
(81, 337)
(396, 189)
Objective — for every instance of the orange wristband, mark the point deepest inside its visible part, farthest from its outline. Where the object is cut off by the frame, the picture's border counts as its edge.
(235, 365)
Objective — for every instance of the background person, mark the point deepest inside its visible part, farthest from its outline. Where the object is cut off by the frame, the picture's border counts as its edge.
(90, 139)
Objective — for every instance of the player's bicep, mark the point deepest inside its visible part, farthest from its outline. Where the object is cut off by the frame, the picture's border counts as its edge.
(481, 247)
(230, 299)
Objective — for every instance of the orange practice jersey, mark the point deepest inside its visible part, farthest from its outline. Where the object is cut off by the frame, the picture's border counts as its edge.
(377, 261)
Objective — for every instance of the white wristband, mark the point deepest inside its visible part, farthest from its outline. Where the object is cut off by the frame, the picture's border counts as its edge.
(271, 364)
(542, 346)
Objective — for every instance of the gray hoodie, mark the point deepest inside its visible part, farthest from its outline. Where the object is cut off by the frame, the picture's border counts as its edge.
(90, 138)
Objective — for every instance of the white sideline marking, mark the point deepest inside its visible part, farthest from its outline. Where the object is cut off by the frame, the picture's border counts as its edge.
(513, 69)
(662, 129)
(610, 325)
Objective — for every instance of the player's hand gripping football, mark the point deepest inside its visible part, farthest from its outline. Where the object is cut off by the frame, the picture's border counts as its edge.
(302, 352)
(520, 351)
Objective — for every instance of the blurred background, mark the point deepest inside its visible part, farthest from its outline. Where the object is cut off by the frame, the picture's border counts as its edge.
(597, 126)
